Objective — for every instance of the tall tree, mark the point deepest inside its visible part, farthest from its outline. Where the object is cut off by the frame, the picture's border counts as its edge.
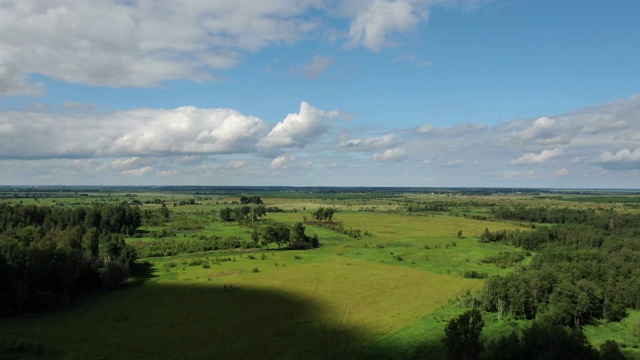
(463, 336)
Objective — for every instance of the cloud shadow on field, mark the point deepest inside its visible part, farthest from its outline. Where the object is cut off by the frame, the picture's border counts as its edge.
(160, 320)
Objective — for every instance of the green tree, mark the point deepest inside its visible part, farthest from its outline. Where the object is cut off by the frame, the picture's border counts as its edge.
(463, 336)
(610, 351)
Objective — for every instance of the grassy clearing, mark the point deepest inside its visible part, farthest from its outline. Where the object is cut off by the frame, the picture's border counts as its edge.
(322, 304)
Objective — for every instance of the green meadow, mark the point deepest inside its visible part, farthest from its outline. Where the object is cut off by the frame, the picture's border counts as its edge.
(385, 294)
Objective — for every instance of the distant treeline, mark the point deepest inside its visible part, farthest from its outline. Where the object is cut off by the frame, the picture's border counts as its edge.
(49, 254)
(586, 267)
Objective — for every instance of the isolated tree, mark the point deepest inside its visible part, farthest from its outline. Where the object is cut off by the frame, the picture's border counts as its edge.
(463, 336)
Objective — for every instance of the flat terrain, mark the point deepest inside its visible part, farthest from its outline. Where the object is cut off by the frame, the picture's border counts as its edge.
(385, 294)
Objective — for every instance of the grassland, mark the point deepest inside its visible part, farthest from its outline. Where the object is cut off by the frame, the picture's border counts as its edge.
(387, 294)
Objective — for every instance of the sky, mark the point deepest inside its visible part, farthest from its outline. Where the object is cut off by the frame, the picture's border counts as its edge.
(427, 93)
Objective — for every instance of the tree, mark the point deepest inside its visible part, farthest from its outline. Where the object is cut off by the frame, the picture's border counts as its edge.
(610, 351)
(463, 336)
(544, 340)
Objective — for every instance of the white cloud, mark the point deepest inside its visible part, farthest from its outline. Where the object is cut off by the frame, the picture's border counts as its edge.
(542, 131)
(395, 154)
(373, 24)
(137, 172)
(282, 162)
(126, 163)
(299, 129)
(563, 172)
(315, 68)
(138, 43)
(375, 143)
(621, 160)
(543, 157)
(236, 164)
(139, 132)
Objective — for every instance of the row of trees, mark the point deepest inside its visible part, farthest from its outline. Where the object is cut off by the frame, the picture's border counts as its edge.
(48, 255)
(120, 218)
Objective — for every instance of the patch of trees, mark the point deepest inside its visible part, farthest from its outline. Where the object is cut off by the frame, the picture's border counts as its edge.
(602, 220)
(286, 236)
(582, 272)
(463, 336)
(255, 199)
(432, 206)
(242, 214)
(155, 217)
(186, 202)
(324, 214)
(50, 254)
(547, 341)
(463, 339)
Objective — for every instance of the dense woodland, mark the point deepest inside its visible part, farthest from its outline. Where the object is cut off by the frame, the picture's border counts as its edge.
(586, 267)
(49, 254)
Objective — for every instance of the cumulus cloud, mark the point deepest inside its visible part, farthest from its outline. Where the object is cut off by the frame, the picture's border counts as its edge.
(373, 24)
(544, 130)
(282, 162)
(138, 43)
(621, 160)
(139, 132)
(298, 129)
(367, 144)
(315, 68)
(143, 43)
(186, 131)
(390, 155)
(543, 157)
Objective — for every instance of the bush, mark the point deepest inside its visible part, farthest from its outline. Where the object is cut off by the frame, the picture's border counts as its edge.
(255, 270)
(472, 274)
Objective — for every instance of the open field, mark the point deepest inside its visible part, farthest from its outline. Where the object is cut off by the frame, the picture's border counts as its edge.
(385, 294)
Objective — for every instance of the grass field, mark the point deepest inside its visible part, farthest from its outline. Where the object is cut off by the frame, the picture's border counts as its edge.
(387, 294)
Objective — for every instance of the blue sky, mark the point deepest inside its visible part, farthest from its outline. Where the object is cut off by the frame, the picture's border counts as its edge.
(346, 93)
